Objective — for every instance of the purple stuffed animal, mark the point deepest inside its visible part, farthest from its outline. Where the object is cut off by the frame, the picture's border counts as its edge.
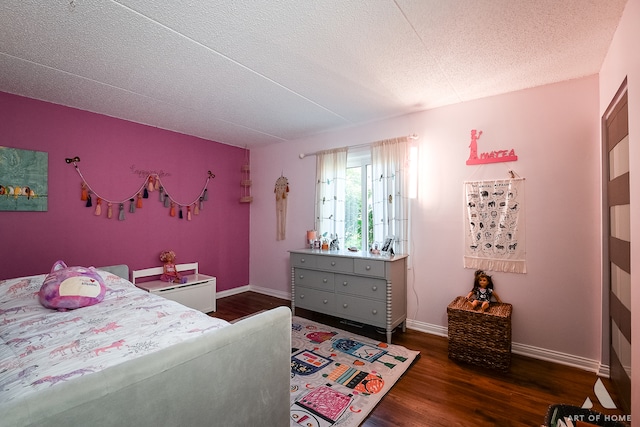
(66, 288)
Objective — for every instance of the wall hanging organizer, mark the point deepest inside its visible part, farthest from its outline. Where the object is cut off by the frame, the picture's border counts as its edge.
(245, 181)
(151, 183)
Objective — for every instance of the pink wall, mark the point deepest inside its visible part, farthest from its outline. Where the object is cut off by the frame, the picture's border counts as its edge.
(110, 151)
(554, 129)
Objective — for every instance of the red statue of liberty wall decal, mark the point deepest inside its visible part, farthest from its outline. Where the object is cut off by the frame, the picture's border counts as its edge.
(488, 157)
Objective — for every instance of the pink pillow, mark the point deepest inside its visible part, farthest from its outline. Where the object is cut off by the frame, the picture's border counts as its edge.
(67, 288)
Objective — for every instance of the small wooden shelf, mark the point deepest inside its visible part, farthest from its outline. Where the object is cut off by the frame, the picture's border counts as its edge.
(245, 181)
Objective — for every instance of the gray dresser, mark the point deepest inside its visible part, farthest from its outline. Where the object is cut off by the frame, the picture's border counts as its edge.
(357, 286)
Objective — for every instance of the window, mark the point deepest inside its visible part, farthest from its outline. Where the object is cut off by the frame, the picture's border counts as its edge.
(362, 194)
(358, 227)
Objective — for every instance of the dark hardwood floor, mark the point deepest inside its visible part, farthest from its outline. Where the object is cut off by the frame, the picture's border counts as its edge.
(437, 391)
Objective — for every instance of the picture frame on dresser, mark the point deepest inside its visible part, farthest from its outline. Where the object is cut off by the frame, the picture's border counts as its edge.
(387, 246)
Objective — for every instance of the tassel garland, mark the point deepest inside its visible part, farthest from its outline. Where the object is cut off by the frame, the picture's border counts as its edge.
(151, 183)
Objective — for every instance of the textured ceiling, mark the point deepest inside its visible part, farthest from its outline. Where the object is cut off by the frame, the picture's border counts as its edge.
(255, 72)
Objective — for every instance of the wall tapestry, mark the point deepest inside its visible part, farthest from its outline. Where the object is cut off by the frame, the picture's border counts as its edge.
(24, 182)
(281, 190)
(495, 225)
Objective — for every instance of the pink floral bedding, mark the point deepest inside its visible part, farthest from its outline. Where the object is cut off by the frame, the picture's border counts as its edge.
(40, 347)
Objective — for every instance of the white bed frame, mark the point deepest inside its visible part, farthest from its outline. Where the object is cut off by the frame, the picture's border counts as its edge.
(237, 376)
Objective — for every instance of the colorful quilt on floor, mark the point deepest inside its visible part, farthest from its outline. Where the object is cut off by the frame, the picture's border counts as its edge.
(337, 377)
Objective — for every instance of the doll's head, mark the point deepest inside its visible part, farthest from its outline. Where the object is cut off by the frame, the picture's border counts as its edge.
(481, 279)
(168, 257)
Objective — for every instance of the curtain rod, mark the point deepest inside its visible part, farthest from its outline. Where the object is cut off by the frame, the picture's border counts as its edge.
(303, 155)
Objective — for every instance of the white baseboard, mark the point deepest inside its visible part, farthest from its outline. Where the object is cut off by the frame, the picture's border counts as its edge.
(252, 288)
(539, 353)
(527, 350)
(427, 328)
(271, 292)
(234, 291)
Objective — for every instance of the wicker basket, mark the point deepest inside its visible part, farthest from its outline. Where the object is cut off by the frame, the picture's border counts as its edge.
(483, 339)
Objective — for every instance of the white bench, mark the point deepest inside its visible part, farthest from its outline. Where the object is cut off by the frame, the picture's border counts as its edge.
(198, 292)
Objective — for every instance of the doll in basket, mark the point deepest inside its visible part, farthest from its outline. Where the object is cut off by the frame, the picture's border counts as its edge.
(169, 270)
(482, 291)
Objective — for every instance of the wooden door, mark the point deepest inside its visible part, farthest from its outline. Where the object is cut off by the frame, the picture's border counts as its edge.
(618, 244)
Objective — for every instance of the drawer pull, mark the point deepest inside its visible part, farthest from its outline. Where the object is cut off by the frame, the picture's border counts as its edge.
(333, 263)
(368, 267)
(301, 276)
(302, 260)
(302, 296)
(345, 283)
(374, 288)
(345, 305)
(374, 311)
(325, 301)
(325, 280)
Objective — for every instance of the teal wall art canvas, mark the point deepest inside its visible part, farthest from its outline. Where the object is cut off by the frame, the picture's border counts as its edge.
(24, 182)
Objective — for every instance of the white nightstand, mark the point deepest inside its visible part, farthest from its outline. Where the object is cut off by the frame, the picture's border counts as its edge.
(199, 291)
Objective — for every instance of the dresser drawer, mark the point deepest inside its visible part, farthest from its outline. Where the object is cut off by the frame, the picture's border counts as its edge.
(303, 260)
(361, 286)
(368, 267)
(315, 300)
(314, 279)
(367, 311)
(334, 263)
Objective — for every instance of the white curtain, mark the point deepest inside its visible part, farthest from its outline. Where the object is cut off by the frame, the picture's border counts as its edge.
(331, 171)
(390, 166)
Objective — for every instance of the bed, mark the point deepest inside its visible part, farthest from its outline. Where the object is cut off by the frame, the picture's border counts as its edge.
(138, 359)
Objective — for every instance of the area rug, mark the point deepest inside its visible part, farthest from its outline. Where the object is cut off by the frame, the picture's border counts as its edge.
(337, 377)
